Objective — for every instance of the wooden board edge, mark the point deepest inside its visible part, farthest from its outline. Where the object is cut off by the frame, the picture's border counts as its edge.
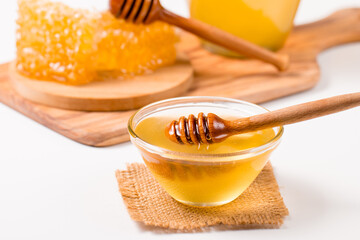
(101, 105)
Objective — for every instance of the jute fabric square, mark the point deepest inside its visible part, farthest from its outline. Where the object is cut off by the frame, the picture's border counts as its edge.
(260, 206)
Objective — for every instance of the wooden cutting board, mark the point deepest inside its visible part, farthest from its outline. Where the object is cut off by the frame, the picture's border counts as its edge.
(249, 80)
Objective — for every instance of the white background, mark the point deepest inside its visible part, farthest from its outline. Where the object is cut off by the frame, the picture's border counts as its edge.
(54, 188)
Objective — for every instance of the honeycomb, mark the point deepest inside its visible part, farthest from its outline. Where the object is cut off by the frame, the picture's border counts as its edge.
(76, 46)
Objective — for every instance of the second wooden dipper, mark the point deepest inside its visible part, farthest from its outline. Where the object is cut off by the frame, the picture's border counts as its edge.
(147, 11)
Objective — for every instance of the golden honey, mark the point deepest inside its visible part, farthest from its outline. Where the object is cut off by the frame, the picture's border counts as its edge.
(76, 46)
(199, 174)
(263, 22)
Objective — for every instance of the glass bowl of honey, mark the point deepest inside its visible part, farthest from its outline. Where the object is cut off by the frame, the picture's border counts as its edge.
(205, 174)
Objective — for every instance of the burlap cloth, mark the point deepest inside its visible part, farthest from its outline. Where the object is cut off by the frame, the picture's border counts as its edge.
(260, 206)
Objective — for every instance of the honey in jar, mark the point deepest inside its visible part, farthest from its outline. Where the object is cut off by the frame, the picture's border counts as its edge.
(263, 22)
(202, 175)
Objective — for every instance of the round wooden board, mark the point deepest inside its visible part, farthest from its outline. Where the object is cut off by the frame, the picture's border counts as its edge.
(109, 95)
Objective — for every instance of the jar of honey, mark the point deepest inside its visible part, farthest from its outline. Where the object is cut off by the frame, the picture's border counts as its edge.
(263, 22)
(202, 175)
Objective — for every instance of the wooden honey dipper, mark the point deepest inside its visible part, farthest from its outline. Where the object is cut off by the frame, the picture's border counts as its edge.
(147, 11)
(212, 128)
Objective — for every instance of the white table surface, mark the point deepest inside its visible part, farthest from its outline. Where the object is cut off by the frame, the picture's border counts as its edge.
(54, 188)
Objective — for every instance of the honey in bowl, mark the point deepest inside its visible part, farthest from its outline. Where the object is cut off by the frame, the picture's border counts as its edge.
(202, 175)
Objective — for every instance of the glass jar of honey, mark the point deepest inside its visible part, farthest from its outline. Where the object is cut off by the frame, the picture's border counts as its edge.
(263, 22)
(202, 175)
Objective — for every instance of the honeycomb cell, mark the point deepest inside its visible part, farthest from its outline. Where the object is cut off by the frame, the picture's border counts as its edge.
(76, 46)
(125, 48)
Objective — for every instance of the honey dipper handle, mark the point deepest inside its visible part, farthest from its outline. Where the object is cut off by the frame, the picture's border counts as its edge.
(296, 113)
(225, 39)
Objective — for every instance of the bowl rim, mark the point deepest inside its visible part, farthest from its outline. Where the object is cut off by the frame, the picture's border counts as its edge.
(177, 155)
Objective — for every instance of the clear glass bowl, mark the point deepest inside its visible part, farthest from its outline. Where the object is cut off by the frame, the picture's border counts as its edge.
(202, 179)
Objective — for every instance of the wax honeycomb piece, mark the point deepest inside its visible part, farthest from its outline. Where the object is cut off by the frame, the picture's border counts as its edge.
(77, 46)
